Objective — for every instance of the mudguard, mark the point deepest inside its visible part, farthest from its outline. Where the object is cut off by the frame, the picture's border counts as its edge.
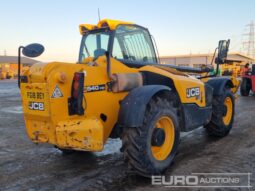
(133, 106)
(218, 84)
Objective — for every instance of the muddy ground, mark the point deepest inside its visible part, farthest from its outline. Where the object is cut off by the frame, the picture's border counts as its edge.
(26, 166)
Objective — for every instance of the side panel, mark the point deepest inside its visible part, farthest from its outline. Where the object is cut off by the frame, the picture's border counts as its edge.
(184, 84)
(195, 116)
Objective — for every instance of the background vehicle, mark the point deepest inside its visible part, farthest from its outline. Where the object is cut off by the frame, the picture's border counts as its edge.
(9, 75)
(120, 90)
(248, 82)
(2, 75)
(5, 72)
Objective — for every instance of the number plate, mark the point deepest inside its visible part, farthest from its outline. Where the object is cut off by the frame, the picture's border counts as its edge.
(35, 99)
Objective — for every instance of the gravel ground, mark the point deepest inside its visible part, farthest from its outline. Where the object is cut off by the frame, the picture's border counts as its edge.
(26, 166)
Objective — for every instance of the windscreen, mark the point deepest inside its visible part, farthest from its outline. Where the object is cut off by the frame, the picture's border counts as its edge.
(131, 44)
(94, 45)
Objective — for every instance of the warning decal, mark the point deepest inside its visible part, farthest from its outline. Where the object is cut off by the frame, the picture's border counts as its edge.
(56, 93)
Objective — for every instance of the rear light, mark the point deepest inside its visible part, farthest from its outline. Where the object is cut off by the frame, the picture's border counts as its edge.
(75, 102)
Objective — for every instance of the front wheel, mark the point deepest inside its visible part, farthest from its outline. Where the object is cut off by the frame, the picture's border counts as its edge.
(151, 148)
(245, 87)
(223, 111)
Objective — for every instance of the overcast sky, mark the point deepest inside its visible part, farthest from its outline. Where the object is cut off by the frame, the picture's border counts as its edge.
(179, 27)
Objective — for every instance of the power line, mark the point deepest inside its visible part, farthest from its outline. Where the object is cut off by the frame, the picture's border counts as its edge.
(249, 43)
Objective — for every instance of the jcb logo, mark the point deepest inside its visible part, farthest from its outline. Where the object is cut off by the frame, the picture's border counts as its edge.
(36, 106)
(193, 92)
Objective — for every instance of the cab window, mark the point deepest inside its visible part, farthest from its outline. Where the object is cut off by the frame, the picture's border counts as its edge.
(94, 45)
(132, 44)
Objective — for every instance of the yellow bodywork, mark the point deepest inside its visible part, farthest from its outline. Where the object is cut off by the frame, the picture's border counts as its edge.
(49, 121)
(234, 68)
(112, 24)
(88, 132)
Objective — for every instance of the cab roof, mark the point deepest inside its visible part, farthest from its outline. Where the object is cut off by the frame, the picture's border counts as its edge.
(112, 24)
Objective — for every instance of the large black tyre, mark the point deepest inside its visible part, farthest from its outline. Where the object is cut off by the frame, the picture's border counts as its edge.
(223, 112)
(146, 149)
(245, 87)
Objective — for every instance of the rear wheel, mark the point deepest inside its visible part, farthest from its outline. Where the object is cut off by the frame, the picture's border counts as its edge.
(151, 148)
(222, 115)
(245, 87)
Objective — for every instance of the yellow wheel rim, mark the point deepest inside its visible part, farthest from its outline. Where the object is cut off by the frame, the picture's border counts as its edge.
(162, 152)
(229, 106)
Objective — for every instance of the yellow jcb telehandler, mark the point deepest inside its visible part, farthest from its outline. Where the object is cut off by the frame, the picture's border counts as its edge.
(119, 89)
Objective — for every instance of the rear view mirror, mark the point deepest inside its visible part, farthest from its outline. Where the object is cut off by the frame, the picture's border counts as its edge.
(222, 51)
(33, 50)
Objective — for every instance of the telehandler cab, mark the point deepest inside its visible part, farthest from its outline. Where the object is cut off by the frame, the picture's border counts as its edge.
(119, 89)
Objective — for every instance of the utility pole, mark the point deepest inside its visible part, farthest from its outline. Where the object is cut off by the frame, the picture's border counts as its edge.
(249, 43)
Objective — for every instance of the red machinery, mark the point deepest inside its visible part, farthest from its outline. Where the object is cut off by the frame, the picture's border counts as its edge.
(248, 82)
